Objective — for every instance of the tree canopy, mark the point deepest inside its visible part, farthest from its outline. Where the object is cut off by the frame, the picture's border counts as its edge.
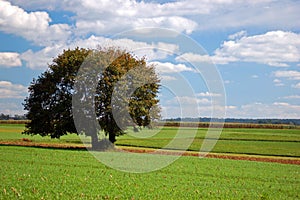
(123, 93)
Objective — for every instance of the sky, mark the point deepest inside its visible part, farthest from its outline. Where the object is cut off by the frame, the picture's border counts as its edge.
(251, 49)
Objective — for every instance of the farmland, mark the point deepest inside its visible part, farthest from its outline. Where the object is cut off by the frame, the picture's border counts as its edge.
(33, 173)
(44, 173)
(284, 142)
(272, 142)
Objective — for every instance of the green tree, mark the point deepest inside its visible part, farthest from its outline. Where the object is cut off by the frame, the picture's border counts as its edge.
(123, 92)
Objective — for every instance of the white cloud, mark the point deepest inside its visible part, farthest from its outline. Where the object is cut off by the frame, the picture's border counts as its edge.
(115, 15)
(280, 104)
(192, 57)
(260, 110)
(11, 108)
(255, 76)
(10, 59)
(168, 78)
(155, 50)
(265, 14)
(192, 106)
(292, 97)
(291, 74)
(40, 59)
(237, 35)
(167, 67)
(207, 94)
(9, 90)
(278, 82)
(187, 100)
(275, 48)
(296, 86)
(252, 110)
(33, 26)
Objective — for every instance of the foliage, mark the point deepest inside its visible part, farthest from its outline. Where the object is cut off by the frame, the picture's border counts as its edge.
(49, 103)
(34, 173)
(50, 96)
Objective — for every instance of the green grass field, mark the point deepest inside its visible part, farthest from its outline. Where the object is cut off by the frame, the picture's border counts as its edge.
(283, 142)
(38, 173)
(275, 142)
(42, 173)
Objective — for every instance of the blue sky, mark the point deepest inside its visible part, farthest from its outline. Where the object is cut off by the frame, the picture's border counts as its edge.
(253, 45)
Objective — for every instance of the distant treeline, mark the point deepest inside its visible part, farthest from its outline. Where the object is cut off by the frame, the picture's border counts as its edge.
(234, 120)
(204, 120)
(9, 117)
(224, 125)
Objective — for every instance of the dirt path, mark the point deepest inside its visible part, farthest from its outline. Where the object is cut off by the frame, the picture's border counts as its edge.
(258, 158)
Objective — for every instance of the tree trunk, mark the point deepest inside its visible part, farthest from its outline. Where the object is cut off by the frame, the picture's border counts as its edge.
(95, 141)
(112, 137)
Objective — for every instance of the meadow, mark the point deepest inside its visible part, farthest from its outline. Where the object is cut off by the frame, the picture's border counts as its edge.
(49, 173)
(41, 173)
(269, 142)
(283, 142)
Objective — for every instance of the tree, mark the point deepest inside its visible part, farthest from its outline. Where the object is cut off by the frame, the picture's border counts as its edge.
(125, 85)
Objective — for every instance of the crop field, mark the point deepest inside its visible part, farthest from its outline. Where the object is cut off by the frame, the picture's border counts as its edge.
(271, 142)
(48, 173)
(283, 142)
(35, 173)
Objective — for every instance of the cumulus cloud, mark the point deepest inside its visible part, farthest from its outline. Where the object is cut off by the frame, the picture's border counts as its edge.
(261, 110)
(168, 78)
(265, 13)
(10, 90)
(192, 57)
(275, 48)
(152, 51)
(167, 67)
(204, 15)
(188, 100)
(115, 16)
(33, 26)
(289, 74)
(237, 35)
(207, 94)
(41, 59)
(278, 82)
(193, 106)
(255, 110)
(10, 59)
